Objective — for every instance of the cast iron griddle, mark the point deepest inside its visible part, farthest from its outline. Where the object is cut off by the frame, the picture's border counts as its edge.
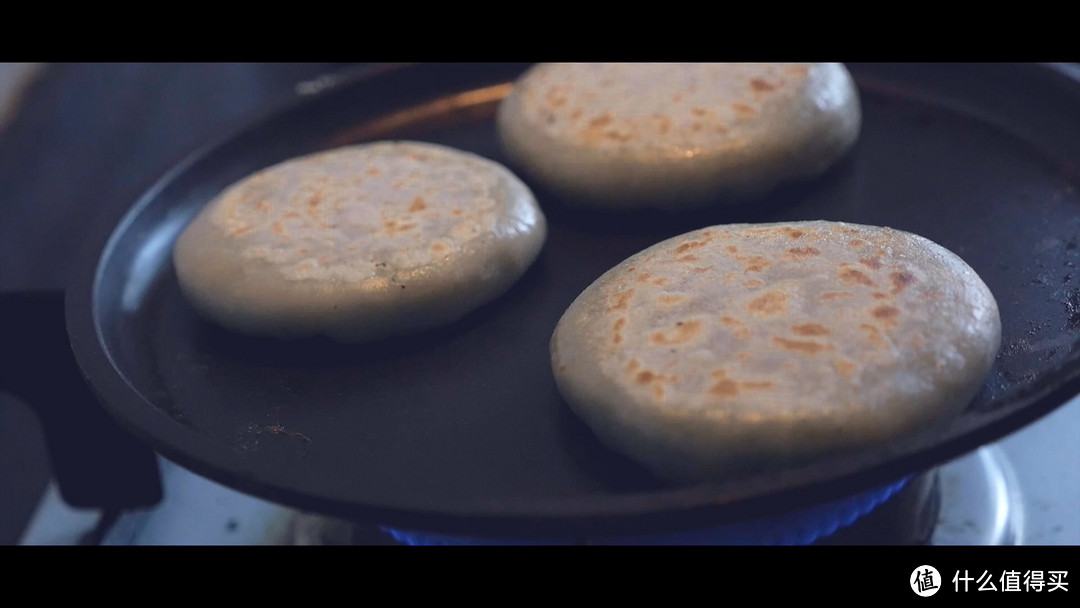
(461, 430)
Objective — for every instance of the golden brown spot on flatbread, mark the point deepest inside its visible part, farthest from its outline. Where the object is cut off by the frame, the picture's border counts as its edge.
(768, 231)
(804, 252)
(772, 303)
(835, 295)
(615, 135)
(374, 171)
(278, 228)
(886, 314)
(754, 283)
(756, 386)
(701, 269)
(677, 97)
(242, 231)
(901, 280)
(576, 114)
(632, 365)
(801, 346)
(810, 329)
(664, 125)
(595, 127)
(738, 327)
(744, 110)
(670, 300)
(292, 215)
(756, 263)
(620, 323)
(844, 367)
(647, 377)
(760, 85)
(621, 300)
(699, 111)
(873, 334)
(794, 233)
(874, 263)
(417, 204)
(688, 258)
(438, 248)
(314, 201)
(684, 332)
(556, 97)
(263, 206)
(856, 243)
(724, 389)
(852, 276)
(743, 356)
(690, 245)
(393, 227)
(797, 71)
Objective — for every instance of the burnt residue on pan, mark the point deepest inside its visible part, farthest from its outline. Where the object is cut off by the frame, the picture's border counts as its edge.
(251, 437)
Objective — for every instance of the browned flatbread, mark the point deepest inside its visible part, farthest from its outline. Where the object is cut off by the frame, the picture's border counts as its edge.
(670, 136)
(360, 243)
(741, 348)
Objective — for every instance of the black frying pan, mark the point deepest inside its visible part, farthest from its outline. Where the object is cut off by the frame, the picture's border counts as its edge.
(460, 430)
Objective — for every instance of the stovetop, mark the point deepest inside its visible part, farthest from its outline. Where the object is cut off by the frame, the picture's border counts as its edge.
(1022, 490)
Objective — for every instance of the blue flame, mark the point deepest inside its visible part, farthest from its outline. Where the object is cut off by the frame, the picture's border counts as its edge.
(798, 528)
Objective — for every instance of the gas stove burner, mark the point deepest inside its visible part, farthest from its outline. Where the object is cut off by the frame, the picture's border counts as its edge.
(798, 528)
(985, 501)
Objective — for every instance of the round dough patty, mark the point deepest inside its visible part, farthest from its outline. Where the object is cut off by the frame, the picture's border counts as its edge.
(677, 135)
(359, 243)
(740, 348)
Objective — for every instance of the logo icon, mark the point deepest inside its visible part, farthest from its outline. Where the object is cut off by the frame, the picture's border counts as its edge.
(925, 581)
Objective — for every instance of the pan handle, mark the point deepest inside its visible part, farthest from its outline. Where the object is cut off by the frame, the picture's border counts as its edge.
(94, 462)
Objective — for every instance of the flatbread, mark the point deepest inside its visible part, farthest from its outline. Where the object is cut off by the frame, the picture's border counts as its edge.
(741, 348)
(670, 136)
(360, 243)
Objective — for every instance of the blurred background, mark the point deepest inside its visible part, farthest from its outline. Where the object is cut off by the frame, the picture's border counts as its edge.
(78, 141)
